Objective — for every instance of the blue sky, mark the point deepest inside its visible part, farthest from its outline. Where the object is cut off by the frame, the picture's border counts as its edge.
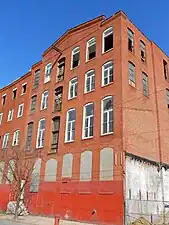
(28, 27)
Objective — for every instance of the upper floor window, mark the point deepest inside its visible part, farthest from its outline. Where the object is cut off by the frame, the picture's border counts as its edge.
(130, 40)
(55, 132)
(48, 70)
(1, 117)
(16, 138)
(107, 40)
(24, 87)
(70, 125)
(33, 103)
(5, 141)
(167, 97)
(91, 49)
(90, 81)
(58, 99)
(10, 114)
(165, 68)
(75, 57)
(44, 100)
(20, 110)
(107, 73)
(145, 84)
(73, 85)
(61, 69)
(29, 136)
(132, 75)
(142, 51)
(14, 93)
(36, 79)
(107, 115)
(40, 134)
(3, 99)
(88, 120)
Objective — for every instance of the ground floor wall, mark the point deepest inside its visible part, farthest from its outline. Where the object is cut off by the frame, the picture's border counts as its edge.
(4, 196)
(94, 202)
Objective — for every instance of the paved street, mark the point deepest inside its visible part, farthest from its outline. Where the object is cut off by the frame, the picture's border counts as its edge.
(6, 222)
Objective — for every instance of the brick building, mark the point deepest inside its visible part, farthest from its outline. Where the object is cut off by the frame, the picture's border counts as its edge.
(98, 96)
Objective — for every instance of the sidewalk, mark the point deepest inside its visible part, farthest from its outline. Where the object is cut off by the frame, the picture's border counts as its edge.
(31, 220)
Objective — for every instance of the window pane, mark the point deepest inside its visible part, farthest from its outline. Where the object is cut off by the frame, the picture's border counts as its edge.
(89, 110)
(72, 115)
(108, 42)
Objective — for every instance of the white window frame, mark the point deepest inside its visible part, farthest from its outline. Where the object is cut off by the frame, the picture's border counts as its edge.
(132, 81)
(19, 108)
(15, 89)
(90, 79)
(74, 87)
(75, 51)
(44, 100)
(89, 44)
(103, 75)
(16, 136)
(103, 38)
(71, 125)
(22, 88)
(5, 141)
(10, 114)
(40, 133)
(48, 71)
(102, 115)
(1, 118)
(4, 95)
(89, 120)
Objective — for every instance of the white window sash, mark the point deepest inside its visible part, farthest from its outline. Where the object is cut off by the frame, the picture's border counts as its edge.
(71, 124)
(72, 89)
(108, 73)
(91, 81)
(5, 141)
(90, 43)
(1, 117)
(20, 110)
(107, 112)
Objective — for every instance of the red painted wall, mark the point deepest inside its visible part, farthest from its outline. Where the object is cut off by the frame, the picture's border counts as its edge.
(4, 196)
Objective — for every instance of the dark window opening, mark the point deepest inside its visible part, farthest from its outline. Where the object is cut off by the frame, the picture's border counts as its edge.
(24, 88)
(142, 51)
(91, 49)
(165, 67)
(76, 59)
(29, 136)
(61, 69)
(167, 97)
(3, 99)
(55, 133)
(36, 79)
(108, 42)
(58, 99)
(14, 93)
(130, 40)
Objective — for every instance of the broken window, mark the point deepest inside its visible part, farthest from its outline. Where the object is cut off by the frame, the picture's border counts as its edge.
(91, 49)
(75, 57)
(58, 99)
(165, 66)
(132, 75)
(29, 136)
(107, 39)
(142, 51)
(145, 84)
(61, 69)
(14, 93)
(24, 86)
(55, 133)
(130, 40)
(3, 99)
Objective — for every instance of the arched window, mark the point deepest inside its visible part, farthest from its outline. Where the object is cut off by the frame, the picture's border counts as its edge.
(51, 170)
(106, 164)
(86, 166)
(67, 165)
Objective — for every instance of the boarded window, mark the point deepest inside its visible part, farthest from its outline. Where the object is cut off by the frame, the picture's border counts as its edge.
(51, 170)
(86, 166)
(29, 136)
(34, 186)
(67, 165)
(106, 164)
(1, 171)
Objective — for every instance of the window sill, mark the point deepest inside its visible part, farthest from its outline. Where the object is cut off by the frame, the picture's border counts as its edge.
(71, 69)
(86, 138)
(131, 52)
(67, 142)
(52, 152)
(72, 98)
(107, 51)
(19, 116)
(107, 84)
(132, 84)
(39, 147)
(110, 133)
(43, 109)
(89, 60)
(46, 82)
(23, 94)
(89, 91)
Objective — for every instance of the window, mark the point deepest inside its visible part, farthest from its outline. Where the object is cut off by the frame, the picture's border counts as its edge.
(24, 86)
(16, 138)
(14, 93)
(107, 115)
(20, 110)
(142, 51)
(3, 99)
(44, 101)
(107, 73)
(58, 99)
(145, 84)
(5, 141)
(36, 79)
(70, 125)
(88, 120)
(29, 136)
(130, 40)
(48, 70)
(61, 69)
(1, 117)
(55, 133)
(91, 49)
(75, 57)
(73, 88)
(33, 103)
(10, 114)
(40, 134)
(165, 66)
(167, 96)
(107, 40)
(90, 81)
(132, 76)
